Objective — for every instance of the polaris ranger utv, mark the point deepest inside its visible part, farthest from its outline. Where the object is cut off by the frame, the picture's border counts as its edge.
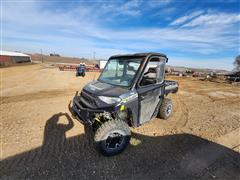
(130, 91)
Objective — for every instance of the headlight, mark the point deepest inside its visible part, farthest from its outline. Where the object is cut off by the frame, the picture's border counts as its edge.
(109, 100)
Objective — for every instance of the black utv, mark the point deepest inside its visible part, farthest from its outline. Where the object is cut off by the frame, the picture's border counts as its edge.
(130, 91)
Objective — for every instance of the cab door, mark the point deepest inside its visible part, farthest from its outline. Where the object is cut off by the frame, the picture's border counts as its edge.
(151, 88)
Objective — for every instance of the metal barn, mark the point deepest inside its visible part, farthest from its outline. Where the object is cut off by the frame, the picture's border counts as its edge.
(9, 58)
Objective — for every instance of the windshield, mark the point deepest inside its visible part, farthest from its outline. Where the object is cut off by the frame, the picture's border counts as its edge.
(120, 72)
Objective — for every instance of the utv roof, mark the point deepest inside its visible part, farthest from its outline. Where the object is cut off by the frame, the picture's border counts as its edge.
(139, 55)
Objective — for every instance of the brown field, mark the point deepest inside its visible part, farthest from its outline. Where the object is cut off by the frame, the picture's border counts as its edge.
(60, 59)
(200, 141)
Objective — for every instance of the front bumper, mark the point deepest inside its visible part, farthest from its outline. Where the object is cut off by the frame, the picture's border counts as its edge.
(82, 114)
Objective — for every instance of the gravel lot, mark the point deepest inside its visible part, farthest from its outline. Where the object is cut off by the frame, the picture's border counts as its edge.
(40, 140)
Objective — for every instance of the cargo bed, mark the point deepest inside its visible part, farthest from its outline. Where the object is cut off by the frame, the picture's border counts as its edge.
(171, 87)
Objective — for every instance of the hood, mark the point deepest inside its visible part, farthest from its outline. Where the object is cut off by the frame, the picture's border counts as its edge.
(103, 89)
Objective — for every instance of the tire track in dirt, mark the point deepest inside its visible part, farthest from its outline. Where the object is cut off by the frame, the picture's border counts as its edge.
(37, 95)
(184, 111)
(184, 115)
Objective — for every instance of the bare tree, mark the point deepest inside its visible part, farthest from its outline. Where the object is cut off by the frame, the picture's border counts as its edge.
(237, 63)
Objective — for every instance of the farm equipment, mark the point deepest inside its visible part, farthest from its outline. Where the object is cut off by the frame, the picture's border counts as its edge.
(73, 67)
(130, 91)
(233, 77)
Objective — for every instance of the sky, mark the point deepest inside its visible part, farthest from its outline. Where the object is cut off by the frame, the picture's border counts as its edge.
(194, 33)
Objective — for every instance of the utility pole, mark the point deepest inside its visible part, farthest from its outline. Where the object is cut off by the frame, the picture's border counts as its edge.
(41, 56)
(94, 54)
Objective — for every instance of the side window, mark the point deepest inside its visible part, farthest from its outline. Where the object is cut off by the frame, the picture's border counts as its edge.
(154, 72)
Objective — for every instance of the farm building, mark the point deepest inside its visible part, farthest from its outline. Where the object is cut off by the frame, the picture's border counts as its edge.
(102, 63)
(8, 58)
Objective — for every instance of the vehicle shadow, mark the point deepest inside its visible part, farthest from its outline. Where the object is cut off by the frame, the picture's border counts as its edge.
(180, 156)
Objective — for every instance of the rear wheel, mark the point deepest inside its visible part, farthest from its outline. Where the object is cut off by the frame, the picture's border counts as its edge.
(166, 108)
(112, 137)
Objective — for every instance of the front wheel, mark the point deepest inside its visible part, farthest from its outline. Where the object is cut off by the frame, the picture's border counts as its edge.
(112, 137)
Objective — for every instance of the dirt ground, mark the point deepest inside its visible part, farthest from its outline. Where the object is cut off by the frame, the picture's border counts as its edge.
(40, 140)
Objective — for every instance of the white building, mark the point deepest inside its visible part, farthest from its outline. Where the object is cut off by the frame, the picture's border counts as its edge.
(102, 63)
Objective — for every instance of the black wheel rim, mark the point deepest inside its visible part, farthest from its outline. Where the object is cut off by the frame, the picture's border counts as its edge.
(114, 140)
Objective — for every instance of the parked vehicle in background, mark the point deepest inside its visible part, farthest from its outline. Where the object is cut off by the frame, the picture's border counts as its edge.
(80, 70)
(233, 77)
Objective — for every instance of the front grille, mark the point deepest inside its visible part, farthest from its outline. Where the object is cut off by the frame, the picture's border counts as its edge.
(88, 98)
